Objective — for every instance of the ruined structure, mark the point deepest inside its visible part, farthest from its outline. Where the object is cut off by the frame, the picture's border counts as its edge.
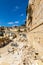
(26, 47)
(35, 25)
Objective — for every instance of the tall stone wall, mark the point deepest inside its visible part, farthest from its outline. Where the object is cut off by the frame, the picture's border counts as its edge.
(35, 24)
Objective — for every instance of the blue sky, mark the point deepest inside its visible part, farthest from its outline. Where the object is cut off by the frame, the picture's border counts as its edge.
(12, 12)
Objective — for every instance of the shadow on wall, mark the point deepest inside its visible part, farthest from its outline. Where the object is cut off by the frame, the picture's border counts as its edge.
(29, 11)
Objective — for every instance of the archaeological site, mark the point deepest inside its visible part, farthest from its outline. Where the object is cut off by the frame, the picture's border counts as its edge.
(23, 45)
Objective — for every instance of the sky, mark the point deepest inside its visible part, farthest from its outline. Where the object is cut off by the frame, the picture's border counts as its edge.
(13, 12)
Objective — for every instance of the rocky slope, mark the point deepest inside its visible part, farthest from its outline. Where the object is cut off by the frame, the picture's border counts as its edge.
(19, 52)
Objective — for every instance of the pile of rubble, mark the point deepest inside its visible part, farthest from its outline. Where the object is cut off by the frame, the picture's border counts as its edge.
(19, 52)
(4, 42)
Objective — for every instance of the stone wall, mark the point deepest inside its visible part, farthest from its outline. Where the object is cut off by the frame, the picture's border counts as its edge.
(35, 25)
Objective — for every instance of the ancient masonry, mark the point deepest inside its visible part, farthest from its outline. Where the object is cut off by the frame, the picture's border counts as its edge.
(34, 24)
(24, 45)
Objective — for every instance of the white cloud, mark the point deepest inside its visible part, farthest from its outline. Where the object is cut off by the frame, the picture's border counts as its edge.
(10, 22)
(15, 25)
(0, 25)
(17, 7)
(22, 14)
(16, 21)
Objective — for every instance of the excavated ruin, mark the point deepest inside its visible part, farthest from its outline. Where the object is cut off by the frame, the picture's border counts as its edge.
(25, 45)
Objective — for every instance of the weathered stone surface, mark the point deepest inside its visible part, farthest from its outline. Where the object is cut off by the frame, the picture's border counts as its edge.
(26, 48)
(35, 30)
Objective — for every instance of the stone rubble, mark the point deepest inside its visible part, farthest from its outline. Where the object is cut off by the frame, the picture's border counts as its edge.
(24, 45)
(19, 53)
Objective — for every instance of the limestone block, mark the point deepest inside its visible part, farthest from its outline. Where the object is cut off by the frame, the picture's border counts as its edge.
(4, 63)
(37, 62)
